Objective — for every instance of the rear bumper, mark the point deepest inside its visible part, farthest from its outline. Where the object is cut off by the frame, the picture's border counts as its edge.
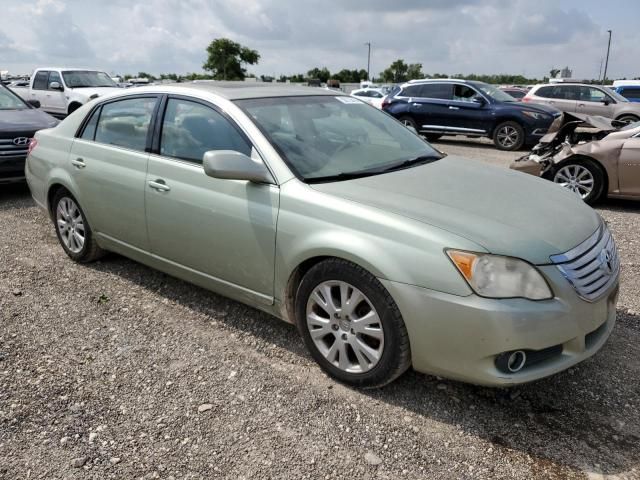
(461, 337)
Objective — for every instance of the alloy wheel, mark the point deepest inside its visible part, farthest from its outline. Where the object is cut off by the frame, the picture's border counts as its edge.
(345, 326)
(70, 224)
(576, 178)
(507, 136)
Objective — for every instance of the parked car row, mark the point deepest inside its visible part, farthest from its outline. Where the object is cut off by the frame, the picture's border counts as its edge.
(329, 214)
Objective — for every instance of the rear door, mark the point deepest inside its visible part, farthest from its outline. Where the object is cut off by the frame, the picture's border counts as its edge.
(224, 230)
(429, 105)
(562, 97)
(39, 88)
(594, 101)
(109, 165)
(629, 167)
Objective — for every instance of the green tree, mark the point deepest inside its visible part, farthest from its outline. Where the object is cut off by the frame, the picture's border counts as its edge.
(396, 73)
(226, 57)
(323, 74)
(414, 70)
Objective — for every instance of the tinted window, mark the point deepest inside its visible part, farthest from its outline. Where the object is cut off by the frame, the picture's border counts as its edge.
(462, 93)
(360, 94)
(40, 82)
(190, 129)
(411, 91)
(590, 94)
(125, 123)
(89, 132)
(436, 90)
(54, 77)
(631, 92)
(516, 93)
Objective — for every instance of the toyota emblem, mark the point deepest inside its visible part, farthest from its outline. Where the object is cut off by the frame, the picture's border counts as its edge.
(605, 261)
(21, 141)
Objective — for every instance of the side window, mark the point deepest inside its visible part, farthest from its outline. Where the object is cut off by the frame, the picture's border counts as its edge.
(40, 82)
(436, 90)
(89, 132)
(375, 94)
(54, 77)
(590, 94)
(411, 91)
(125, 123)
(631, 93)
(190, 129)
(360, 94)
(463, 93)
(545, 92)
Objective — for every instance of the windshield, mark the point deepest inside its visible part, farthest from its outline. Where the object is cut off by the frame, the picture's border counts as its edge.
(87, 78)
(10, 101)
(325, 138)
(494, 92)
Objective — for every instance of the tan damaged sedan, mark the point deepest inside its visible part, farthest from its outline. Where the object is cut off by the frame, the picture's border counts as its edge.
(592, 156)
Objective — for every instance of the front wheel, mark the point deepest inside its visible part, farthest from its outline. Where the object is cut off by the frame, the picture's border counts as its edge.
(351, 325)
(628, 119)
(582, 177)
(508, 136)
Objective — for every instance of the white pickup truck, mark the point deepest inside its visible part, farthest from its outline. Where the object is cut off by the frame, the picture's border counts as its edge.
(60, 91)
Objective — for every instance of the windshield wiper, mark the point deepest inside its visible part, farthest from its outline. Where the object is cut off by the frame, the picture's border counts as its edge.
(420, 160)
(343, 176)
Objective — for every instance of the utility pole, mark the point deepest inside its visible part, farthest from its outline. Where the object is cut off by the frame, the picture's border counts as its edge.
(368, 44)
(606, 63)
(600, 72)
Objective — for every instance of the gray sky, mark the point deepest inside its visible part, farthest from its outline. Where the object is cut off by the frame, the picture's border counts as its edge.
(448, 36)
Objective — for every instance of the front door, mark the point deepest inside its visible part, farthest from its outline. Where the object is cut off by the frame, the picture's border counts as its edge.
(39, 88)
(594, 101)
(55, 99)
(109, 168)
(222, 230)
(469, 113)
(629, 167)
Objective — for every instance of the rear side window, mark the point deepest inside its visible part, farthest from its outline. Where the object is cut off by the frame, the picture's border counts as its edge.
(411, 91)
(631, 93)
(40, 82)
(190, 129)
(89, 132)
(125, 123)
(560, 92)
(437, 90)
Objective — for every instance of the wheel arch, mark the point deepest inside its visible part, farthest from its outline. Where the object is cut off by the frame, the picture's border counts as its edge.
(581, 158)
(500, 120)
(73, 106)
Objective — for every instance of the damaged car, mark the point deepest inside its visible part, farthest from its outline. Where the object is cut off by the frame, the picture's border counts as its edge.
(592, 156)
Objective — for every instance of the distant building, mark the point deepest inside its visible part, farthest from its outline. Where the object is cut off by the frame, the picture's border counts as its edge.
(566, 72)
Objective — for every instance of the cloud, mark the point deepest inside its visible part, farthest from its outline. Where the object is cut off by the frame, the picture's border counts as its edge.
(447, 36)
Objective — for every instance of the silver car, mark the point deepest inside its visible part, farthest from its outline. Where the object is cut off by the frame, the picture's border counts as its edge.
(329, 214)
(586, 100)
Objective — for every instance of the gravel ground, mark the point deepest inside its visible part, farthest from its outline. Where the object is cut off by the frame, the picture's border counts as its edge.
(113, 370)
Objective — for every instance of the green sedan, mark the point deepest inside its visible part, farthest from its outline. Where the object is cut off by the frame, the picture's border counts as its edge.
(329, 214)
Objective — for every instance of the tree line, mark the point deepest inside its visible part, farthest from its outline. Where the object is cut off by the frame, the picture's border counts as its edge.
(226, 60)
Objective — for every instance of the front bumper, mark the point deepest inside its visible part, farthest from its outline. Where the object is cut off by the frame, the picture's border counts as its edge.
(12, 168)
(460, 337)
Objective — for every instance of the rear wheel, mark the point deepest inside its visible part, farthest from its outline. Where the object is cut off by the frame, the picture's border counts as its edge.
(408, 122)
(351, 325)
(628, 119)
(508, 136)
(582, 177)
(73, 230)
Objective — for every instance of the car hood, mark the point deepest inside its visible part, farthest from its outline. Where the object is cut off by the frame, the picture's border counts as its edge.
(505, 212)
(30, 119)
(98, 91)
(535, 107)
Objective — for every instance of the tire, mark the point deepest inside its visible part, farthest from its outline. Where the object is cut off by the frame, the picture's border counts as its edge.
(628, 119)
(432, 137)
(508, 136)
(577, 172)
(71, 224)
(73, 107)
(364, 345)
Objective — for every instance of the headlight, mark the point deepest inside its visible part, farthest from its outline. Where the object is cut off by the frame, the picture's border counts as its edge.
(535, 115)
(496, 276)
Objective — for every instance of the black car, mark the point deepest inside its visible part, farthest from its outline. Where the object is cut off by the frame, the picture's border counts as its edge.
(475, 109)
(19, 121)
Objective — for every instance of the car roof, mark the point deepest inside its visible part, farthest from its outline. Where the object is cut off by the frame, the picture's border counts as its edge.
(235, 90)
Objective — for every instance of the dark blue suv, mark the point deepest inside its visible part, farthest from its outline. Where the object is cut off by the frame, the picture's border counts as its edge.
(475, 109)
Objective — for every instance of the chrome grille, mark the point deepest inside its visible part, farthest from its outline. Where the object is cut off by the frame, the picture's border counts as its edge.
(9, 149)
(591, 267)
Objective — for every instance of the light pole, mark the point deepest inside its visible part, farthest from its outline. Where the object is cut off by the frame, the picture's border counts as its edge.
(368, 44)
(606, 63)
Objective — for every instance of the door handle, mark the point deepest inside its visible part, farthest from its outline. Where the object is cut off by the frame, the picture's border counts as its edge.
(453, 108)
(78, 163)
(159, 185)
(415, 104)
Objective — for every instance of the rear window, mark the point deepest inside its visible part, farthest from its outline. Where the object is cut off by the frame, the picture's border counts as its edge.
(125, 123)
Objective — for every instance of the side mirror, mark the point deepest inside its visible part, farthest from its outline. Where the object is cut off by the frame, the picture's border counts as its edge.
(55, 86)
(478, 100)
(232, 165)
(606, 101)
(34, 103)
